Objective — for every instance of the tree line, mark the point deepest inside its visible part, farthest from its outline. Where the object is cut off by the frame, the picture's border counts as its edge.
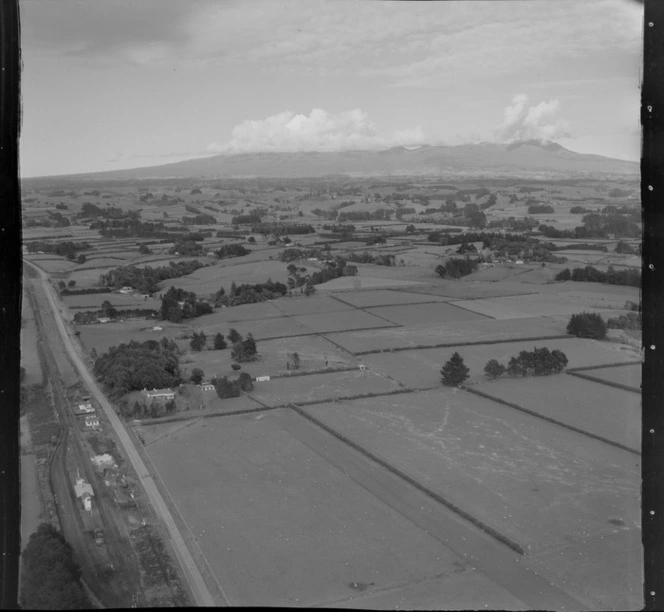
(178, 304)
(629, 277)
(146, 279)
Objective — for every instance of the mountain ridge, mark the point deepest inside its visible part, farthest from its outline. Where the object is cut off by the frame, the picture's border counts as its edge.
(519, 158)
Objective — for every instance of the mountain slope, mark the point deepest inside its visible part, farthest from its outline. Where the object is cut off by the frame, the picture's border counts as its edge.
(521, 158)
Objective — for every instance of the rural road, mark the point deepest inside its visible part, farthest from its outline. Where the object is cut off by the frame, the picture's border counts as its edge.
(194, 578)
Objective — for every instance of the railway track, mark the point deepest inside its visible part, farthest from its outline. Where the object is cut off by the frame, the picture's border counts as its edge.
(191, 572)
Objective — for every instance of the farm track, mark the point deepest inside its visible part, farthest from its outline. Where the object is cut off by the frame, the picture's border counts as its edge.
(197, 584)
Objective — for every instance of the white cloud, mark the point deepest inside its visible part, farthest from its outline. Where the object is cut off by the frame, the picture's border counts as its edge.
(523, 122)
(318, 131)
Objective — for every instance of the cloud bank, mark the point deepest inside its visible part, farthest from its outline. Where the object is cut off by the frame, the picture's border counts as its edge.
(318, 131)
(539, 122)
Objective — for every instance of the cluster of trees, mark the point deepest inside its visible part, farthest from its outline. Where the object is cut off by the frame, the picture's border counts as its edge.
(231, 250)
(457, 267)
(58, 219)
(580, 210)
(146, 279)
(243, 349)
(295, 279)
(134, 228)
(51, 578)
(538, 362)
(587, 325)
(625, 249)
(629, 277)
(380, 259)
(631, 320)
(178, 304)
(540, 209)
(599, 225)
(339, 228)
(187, 247)
(69, 289)
(250, 294)
(293, 254)
(229, 234)
(85, 317)
(227, 388)
(333, 269)
(251, 218)
(65, 248)
(139, 365)
(583, 246)
(201, 219)
(142, 410)
(89, 210)
(382, 214)
(281, 229)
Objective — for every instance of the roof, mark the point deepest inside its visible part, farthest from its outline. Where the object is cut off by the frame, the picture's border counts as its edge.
(83, 488)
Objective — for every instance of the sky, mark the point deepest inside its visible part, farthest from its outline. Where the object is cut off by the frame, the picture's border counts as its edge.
(116, 84)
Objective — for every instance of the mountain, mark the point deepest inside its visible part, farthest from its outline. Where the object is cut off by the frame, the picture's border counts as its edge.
(527, 158)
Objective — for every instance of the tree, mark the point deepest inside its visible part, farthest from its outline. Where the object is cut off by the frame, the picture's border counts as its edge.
(93, 354)
(81, 259)
(494, 369)
(245, 383)
(198, 342)
(107, 310)
(564, 275)
(51, 576)
(514, 367)
(236, 366)
(219, 342)
(226, 389)
(234, 336)
(587, 325)
(454, 372)
(309, 288)
(71, 283)
(197, 376)
(410, 229)
(295, 361)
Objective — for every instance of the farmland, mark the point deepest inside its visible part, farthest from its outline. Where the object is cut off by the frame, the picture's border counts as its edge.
(571, 501)
(320, 550)
(351, 469)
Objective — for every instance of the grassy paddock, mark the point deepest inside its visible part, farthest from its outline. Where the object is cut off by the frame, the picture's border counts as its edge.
(570, 501)
(332, 532)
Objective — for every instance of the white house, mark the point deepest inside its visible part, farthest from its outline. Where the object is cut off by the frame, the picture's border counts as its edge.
(84, 492)
(104, 320)
(160, 394)
(157, 328)
(85, 408)
(207, 386)
(126, 289)
(92, 421)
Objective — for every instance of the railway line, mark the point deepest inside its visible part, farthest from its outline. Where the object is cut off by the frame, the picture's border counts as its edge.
(193, 576)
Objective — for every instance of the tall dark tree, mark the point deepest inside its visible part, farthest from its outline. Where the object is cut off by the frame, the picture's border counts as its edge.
(234, 336)
(494, 369)
(587, 325)
(454, 372)
(197, 376)
(219, 342)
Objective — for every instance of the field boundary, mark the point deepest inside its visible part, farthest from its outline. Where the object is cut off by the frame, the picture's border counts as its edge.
(292, 373)
(453, 344)
(608, 383)
(435, 496)
(606, 365)
(322, 333)
(549, 419)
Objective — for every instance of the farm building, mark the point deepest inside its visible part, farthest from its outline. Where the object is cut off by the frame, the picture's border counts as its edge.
(160, 394)
(126, 289)
(103, 320)
(157, 328)
(84, 492)
(91, 421)
(207, 386)
(84, 408)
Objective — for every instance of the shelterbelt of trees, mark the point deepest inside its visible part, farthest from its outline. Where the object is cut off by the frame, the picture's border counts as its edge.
(146, 279)
(65, 248)
(629, 277)
(139, 365)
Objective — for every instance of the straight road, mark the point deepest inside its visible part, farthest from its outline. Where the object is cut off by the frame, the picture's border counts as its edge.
(198, 587)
